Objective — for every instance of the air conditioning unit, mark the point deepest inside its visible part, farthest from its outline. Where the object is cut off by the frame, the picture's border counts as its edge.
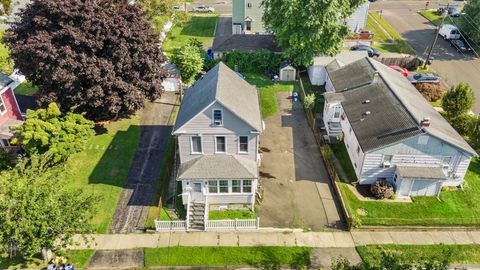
(386, 164)
(217, 122)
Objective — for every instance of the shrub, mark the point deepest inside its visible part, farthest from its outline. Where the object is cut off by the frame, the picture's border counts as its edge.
(430, 91)
(382, 189)
(309, 101)
(458, 100)
(461, 123)
(253, 62)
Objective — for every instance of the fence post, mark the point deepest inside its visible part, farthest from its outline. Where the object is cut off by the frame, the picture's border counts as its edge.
(258, 223)
(236, 224)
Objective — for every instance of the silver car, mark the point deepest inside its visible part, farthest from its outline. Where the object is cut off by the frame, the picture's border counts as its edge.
(203, 8)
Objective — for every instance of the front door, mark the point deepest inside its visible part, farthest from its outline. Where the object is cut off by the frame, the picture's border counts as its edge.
(197, 192)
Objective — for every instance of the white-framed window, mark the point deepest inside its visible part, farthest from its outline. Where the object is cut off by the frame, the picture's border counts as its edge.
(5, 142)
(247, 186)
(3, 107)
(213, 186)
(336, 112)
(196, 142)
(220, 144)
(387, 161)
(446, 162)
(243, 144)
(223, 186)
(217, 117)
(236, 186)
(249, 5)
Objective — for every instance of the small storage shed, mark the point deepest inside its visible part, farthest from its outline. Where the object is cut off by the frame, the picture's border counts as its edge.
(287, 72)
(418, 181)
(173, 83)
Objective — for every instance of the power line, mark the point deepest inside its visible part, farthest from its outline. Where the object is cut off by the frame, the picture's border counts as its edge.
(471, 21)
(466, 39)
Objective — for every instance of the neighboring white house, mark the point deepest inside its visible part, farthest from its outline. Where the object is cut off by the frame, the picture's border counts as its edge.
(390, 131)
(217, 129)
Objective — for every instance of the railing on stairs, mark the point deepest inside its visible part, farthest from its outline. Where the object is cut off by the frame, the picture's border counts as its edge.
(205, 214)
(187, 218)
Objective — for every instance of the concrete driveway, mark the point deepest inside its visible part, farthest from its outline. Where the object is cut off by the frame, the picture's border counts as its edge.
(452, 66)
(297, 190)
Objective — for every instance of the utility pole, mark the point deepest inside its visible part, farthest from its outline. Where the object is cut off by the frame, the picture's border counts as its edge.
(444, 15)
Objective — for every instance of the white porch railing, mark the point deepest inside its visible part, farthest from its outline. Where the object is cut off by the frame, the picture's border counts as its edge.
(170, 225)
(232, 224)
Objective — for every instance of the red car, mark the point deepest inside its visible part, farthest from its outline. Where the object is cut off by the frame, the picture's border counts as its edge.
(403, 71)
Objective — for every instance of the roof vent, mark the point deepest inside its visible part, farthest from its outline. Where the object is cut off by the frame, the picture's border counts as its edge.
(376, 75)
(425, 122)
(367, 113)
(366, 101)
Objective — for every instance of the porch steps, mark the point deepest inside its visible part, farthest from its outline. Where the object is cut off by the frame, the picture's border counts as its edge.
(197, 216)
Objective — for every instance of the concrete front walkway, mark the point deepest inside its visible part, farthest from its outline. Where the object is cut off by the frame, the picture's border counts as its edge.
(265, 237)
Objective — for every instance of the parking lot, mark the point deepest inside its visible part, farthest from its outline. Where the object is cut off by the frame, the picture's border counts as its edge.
(297, 191)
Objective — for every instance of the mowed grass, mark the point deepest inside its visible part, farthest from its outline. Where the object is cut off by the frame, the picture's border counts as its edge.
(6, 65)
(79, 258)
(228, 256)
(268, 92)
(26, 88)
(200, 27)
(341, 153)
(453, 208)
(374, 21)
(231, 214)
(466, 254)
(103, 167)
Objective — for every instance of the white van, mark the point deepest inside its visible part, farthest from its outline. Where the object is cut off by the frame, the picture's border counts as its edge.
(448, 31)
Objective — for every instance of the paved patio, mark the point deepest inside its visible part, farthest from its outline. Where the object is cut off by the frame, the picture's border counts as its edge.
(297, 190)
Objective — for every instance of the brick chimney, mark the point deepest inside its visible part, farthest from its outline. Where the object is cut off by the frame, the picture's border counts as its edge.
(425, 122)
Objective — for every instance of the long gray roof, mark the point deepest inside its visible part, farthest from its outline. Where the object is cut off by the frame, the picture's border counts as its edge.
(395, 107)
(427, 173)
(223, 85)
(218, 167)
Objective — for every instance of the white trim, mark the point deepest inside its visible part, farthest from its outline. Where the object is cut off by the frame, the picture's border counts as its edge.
(248, 145)
(213, 117)
(230, 182)
(4, 105)
(225, 143)
(191, 145)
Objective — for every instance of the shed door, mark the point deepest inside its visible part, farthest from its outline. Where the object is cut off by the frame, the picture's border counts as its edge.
(288, 75)
(424, 188)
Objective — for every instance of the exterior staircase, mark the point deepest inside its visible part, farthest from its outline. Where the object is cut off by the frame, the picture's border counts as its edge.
(196, 220)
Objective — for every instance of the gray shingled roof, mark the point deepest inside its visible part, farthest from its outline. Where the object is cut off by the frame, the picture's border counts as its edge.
(341, 59)
(223, 85)
(218, 167)
(411, 172)
(245, 43)
(396, 107)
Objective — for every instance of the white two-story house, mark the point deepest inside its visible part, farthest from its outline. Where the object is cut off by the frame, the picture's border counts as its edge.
(217, 129)
(390, 131)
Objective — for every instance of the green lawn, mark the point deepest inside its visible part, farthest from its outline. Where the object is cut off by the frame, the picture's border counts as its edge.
(374, 22)
(436, 19)
(455, 208)
(317, 90)
(231, 214)
(340, 151)
(201, 27)
(268, 90)
(79, 258)
(103, 167)
(26, 88)
(262, 257)
(467, 254)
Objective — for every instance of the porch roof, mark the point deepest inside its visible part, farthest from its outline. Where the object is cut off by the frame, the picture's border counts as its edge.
(5, 132)
(218, 167)
(426, 173)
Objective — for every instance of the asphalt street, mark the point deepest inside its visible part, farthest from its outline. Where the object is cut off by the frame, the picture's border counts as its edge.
(452, 66)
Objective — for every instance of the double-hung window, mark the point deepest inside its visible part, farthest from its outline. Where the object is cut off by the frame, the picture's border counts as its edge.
(217, 118)
(3, 108)
(223, 184)
(220, 144)
(243, 144)
(247, 186)
(196, 144)
(446, 162)
(213, 186)
(236, 186)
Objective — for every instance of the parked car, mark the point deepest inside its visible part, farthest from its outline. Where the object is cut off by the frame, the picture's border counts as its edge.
(460, 45)
(424, 77)
(179, 8)
(402, 71)
(448, 31)
(451, 11)
(203, 8)
(371, 51)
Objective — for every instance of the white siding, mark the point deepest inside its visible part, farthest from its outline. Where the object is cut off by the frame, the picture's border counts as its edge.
(352, 145)
(329, 85)
(317, 75)
(231, 198)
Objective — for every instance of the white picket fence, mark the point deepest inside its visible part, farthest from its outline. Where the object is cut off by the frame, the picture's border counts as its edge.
(233, 224)
(170, 225)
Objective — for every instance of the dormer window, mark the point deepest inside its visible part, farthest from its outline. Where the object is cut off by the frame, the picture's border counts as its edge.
(217, 118)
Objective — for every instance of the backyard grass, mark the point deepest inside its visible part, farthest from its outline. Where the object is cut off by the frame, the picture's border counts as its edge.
(315, 89)
(375, 23)
(231, 214)
(268, 90)
(26, 88)
(466, 254)
(79, 258)
(6, 65)
(200, 27)
(453, 208)
(103, 167)
(228, 256)
(340, 152)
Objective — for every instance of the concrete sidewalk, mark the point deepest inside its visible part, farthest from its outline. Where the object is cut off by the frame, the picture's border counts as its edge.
(266, 237)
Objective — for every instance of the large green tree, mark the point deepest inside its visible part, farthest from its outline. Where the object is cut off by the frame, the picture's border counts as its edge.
(457, 101)
(39, 208)
(99, 55)
(189, 60)
(159, 7)
(54, 135)
(474, 132)
(470, 22)
(304, 28)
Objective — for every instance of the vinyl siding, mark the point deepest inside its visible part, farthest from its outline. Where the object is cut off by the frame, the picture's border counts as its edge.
(317, 75)
(351, 143)
(256, 14)
(238, 10)
(230, 198)
(13, 112)
(328, 85)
